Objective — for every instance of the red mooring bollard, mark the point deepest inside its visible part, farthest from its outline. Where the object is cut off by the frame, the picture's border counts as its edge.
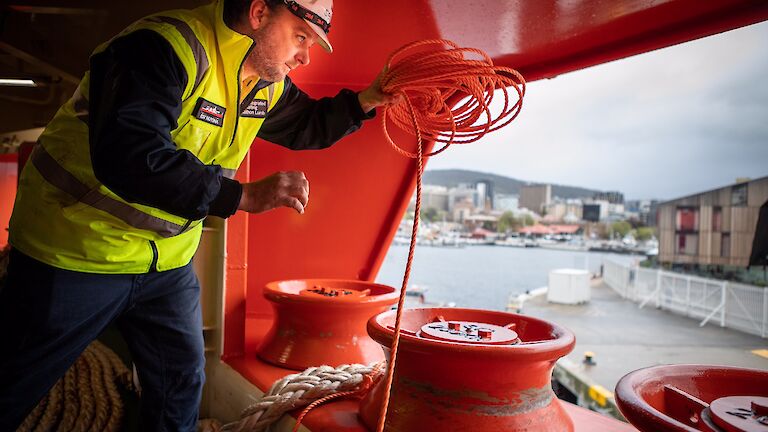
(695, 398)
(470, 370)
(322, 322)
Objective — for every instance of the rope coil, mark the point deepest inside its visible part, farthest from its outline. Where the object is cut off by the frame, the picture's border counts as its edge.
(309, 388)
(438, 74)
(86, 397)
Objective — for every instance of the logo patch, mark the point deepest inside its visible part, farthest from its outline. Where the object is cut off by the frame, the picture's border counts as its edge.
(256, 109)
(209, 112)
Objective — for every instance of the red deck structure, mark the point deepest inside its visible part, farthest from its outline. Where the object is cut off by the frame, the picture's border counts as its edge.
(361, 188)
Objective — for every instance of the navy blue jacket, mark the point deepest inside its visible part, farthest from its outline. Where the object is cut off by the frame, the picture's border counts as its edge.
(141, 71)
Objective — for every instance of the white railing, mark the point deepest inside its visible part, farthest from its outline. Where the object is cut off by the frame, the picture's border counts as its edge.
(729, 304)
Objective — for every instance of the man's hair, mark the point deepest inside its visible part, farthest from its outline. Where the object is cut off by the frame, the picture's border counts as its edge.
(235, 10)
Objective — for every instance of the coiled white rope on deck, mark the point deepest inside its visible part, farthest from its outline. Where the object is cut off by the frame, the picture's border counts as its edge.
(299, 390)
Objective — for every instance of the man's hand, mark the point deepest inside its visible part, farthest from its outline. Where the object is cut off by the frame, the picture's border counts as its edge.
(281, 189)
(373, 97)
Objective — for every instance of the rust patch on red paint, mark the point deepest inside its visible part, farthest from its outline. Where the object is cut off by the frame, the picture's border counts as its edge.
(479, 402)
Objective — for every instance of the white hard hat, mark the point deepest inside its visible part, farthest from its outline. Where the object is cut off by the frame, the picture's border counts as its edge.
(317, 13)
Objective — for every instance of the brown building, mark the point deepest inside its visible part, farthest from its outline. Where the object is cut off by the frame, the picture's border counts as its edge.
(714, 228)
(535, 197)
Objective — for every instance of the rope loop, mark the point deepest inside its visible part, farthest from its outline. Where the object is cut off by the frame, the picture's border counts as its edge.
(310, 388)
(432, 75)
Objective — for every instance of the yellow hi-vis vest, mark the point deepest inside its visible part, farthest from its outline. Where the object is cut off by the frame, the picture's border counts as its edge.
(65, 217)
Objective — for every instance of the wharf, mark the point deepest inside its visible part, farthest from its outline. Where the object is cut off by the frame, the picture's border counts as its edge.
(625, 338)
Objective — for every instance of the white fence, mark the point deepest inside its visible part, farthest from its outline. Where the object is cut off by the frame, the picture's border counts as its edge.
(734, 305)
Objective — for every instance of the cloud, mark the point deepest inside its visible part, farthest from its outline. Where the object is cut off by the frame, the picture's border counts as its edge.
(663, 124)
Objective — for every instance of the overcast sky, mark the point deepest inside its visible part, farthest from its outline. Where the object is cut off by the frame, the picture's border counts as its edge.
(664, 124)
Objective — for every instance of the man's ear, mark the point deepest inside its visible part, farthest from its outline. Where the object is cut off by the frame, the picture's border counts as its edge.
(257, 13)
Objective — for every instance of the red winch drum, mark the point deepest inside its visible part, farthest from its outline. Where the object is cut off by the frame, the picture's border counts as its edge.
(322, 322)
(695, 398)
(473, 370)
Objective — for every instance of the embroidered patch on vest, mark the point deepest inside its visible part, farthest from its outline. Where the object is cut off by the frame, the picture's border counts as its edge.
(256, 109)
(209, 112)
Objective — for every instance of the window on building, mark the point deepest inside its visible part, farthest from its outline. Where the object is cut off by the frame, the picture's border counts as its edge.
(687, 219)
(687, 244)
(725, 245)
(717, 219)
(739, 195)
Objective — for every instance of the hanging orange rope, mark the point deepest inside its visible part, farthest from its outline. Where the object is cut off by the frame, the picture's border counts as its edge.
(430, 79)
(431, 75)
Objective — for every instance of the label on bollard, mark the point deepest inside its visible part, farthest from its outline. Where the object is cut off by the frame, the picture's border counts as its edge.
(740, 413)
(334, 293)
(469, 332)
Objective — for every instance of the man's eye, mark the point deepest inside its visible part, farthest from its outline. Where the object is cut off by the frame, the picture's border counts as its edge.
(301, 38)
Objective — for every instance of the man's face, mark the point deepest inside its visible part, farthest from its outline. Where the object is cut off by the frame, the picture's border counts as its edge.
(281, 44)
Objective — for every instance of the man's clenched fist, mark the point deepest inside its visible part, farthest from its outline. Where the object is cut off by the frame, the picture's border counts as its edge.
(281, 189)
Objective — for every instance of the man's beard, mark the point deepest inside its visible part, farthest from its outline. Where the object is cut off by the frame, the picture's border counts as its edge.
(262, 55)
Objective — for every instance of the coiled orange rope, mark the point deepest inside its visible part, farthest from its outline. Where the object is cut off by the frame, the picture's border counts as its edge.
(432, 75)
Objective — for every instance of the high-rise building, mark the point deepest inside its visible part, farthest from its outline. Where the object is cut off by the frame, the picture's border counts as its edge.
(535, 197)
(484, 194)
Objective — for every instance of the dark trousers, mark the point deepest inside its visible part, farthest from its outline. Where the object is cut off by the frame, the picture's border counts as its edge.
(48, 316)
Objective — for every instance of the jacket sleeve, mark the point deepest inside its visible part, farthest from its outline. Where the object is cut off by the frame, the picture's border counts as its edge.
(299, 122)
(135, 93)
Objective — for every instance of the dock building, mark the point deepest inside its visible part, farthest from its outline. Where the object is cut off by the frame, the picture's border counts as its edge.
(716, 229)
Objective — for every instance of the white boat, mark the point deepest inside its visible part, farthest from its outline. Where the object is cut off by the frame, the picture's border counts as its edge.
(517, 242)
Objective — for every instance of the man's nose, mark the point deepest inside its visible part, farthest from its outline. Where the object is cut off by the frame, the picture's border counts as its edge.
(303, 57)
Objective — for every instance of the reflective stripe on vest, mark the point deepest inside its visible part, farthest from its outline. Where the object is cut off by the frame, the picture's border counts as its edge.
(56, 175)
(198, 51)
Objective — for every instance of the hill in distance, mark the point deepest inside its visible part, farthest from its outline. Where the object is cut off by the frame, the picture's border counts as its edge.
(501, 184)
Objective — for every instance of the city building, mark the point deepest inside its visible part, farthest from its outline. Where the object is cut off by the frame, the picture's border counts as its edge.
(714, 228)
(475, 221)
(613, 197)
(591, 212)
(563, 211)
(484, 190)
(462, 210)
(463, 192)
(503, 202)
(644, 211)
(653, 214)
(597, 211)
(434, 196)
(535, 197)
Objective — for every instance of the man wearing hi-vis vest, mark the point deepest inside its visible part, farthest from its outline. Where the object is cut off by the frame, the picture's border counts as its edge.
(109, 207)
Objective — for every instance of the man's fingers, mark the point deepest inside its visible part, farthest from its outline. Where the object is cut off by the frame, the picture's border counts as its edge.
(304, 196)
(295, 204)
(300, 190)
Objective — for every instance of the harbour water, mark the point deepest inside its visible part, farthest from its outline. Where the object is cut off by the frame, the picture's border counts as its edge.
(483, 277)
